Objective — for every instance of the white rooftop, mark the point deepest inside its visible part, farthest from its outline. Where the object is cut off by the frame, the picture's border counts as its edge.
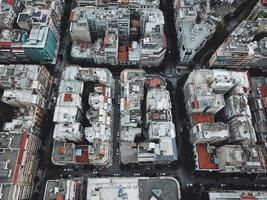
(158, 99)
(66, 114)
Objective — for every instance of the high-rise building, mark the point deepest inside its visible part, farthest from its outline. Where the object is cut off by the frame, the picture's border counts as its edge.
(191, 35)
(31, 42)
(41, 45)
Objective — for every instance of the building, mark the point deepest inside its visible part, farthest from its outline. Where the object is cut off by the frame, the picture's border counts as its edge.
(20, 138)
(37, 36)
(236, 194)
(205, 157)
(25, 85)
(19, 163)
(236, 105)
(153, 42)
(246, 159)
(118, 36)
(133, 188)
(159, 121)
(64, 189)
(222, 132)
(257, 102)
(79, 141)
(11, 45)
(243, 48)
(209, 133)
(191, 35)
(229, 158)
(241, 128)
(9, 12)
(160, 144)
(132, 94)
(132, 5)
(41, 45)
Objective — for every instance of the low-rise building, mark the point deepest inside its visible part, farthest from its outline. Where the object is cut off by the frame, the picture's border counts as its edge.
(241, 128)
(236, 105)
(205, 157)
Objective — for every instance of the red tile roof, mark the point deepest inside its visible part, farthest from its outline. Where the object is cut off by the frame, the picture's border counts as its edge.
(60, 197)
(264, 2)
(84, 158)
(204, 158)
(106, 40)
(196, 104)
(263, 90)
(67, 97)
(153, 82)
(244, 197)
(23, 141)
(202, 118)
(10, 2)
(84, 45)
(264, 100)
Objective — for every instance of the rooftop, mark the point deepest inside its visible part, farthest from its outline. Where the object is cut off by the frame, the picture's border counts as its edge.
(198, 118)
(241, 128)
(71, 86)
(243, 35)
(37, 37)
(205, 157)
(158, 99)
(134, 188)
(66, 114)
(63, 189)
(237, 194)
(195, 34)
(63, 152)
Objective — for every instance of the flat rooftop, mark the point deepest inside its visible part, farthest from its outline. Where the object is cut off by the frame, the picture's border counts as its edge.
(205, 161)
(150, 187)
(142, 188)
(237, 194)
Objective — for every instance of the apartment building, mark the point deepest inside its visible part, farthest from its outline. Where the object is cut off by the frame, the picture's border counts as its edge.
(242, 49)
(117, 36)
(222, 132)
(78, 140)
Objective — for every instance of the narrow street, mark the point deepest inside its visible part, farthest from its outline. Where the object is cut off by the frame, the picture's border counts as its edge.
(116, 128)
